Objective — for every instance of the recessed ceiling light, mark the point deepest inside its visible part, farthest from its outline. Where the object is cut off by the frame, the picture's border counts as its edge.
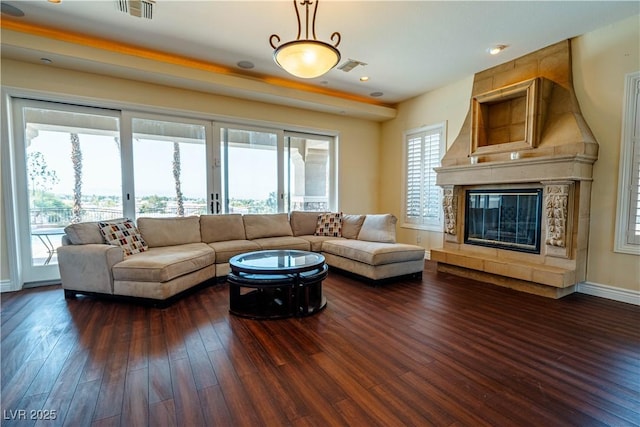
(247, 65)
(376, 94)
(8, 9)
(497, 49)
(364, 79)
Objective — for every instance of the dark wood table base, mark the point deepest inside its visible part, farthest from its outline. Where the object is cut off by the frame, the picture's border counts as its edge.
(276, 296)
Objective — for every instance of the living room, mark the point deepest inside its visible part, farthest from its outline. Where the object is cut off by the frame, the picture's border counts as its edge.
(370, 157)
(372, 178)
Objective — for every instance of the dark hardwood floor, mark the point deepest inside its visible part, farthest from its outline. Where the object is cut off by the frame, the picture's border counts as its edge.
(443, 351)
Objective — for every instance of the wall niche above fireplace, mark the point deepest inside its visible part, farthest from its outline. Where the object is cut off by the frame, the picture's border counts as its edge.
(509, 118)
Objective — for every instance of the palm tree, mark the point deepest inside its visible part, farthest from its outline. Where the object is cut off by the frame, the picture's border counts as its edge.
(176, 177)
(76, 159)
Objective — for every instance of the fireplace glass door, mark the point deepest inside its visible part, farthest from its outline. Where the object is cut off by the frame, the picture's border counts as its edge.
(506, 219)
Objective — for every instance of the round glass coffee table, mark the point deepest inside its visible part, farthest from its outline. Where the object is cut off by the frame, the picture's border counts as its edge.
(276, 284)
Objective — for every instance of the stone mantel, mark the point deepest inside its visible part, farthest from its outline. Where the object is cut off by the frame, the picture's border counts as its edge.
(523, 170)
(524, 129)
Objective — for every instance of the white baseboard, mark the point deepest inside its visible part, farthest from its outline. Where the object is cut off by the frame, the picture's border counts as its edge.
(6, 286)
(609, 292)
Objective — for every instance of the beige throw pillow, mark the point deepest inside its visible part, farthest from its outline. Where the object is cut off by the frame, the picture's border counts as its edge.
(379, 228)
(351, 225)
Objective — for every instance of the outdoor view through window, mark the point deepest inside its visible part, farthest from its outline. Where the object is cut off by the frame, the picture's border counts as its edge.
(73, 167)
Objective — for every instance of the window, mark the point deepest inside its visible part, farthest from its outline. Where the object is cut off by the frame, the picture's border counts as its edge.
(169, 167)
(62, 154)
(250, 170)
(310, 171)
(269, 170)
(628, 213)
(422, 205)
(69, 163)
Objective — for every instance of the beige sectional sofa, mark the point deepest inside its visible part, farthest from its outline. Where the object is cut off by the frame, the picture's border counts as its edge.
(185, 252)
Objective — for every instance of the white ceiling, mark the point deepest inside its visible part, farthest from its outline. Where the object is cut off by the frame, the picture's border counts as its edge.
(410, 47)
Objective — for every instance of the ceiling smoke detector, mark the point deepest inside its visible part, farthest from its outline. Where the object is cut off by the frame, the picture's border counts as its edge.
(139, 8)
(350, 65)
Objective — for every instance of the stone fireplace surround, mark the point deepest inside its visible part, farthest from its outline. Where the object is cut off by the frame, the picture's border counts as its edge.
(524, 129)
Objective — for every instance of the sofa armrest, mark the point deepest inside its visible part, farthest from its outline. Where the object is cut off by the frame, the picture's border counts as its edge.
(88, 267)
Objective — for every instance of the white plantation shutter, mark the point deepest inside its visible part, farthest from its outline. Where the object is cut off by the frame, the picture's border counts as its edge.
(422, 197)
(633, 229)
(414, 178)
(628, 217)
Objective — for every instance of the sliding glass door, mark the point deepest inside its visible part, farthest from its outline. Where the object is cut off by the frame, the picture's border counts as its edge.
(73, 164)
(268, 171)
(250, 172)
(170, 167)
(309, 173)
(67, 170)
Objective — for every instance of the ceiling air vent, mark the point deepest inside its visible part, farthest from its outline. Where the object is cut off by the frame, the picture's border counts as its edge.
(350, 65)
(139, 8)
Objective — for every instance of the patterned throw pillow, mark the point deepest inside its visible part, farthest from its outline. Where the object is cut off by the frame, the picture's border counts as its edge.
(123, 234)
(329, 224)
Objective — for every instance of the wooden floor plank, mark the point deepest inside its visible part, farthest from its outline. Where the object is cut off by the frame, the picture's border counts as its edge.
(135, 402)
(185, 394)
(442, 351)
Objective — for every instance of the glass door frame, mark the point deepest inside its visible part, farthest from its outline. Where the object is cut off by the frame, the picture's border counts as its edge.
(126, 130)
(333, 164)
(16, 194)
(220, 182)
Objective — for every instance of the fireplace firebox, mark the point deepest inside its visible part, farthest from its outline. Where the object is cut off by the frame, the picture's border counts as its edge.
(505, 219)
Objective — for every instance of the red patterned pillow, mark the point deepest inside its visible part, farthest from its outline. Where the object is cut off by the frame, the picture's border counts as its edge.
(329, 224)
(124, 234)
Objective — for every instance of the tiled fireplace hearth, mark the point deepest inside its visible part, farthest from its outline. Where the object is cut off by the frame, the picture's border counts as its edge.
(524, 135)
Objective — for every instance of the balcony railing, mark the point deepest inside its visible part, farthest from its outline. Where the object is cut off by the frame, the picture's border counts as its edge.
(60, 217)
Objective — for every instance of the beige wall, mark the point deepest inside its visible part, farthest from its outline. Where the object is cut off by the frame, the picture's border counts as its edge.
(450, 104)
(358, 139)
(601, 59)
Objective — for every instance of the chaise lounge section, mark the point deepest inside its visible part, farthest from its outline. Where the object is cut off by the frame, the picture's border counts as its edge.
(181, 254)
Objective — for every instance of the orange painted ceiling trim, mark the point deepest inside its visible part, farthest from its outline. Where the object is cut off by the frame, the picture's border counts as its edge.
(122, 48)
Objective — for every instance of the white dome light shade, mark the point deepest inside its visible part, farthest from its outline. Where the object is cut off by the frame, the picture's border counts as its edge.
(306, 58)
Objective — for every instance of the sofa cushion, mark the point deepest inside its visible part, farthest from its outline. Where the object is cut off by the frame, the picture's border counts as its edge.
(351, 225)
(220, 228)
(225, 250)
(373, 253)
(161, 264)
(284, 242)
(172, 231)
(379, 228)
(123, 234)
(258, 226)
(317, 241)
(329, 224)
(303, 223)
(85, 233)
